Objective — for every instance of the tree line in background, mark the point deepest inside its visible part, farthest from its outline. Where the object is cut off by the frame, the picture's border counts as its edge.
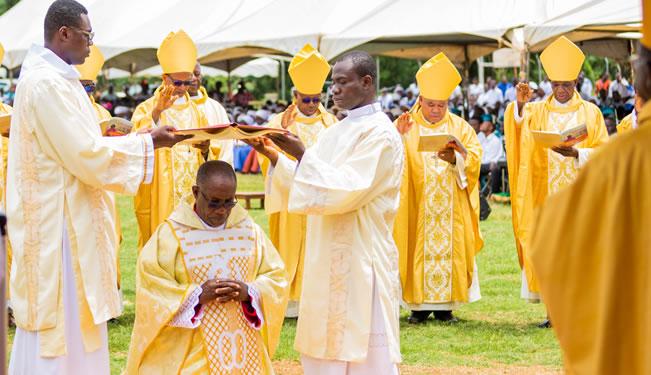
(6, 4)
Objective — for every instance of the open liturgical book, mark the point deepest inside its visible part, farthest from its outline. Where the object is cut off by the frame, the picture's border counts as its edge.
(5, 123)
(437, 142)
(568, 137)
(227, 131)
(115, 126)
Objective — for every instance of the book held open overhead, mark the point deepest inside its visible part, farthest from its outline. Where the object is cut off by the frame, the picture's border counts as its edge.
(227, 131)
(568, 137)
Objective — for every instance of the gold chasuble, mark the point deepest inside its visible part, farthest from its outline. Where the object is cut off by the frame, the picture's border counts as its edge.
(4, 147)
(182, 255)
(590, 251)
(175, 168)
(437, 228)
(536, 172)
(628, 123)
(287, 230)
(220, 149)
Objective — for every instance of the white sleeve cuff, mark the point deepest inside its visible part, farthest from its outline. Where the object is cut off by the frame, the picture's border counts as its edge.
(278, 183)
(187, 316)
(256, 302)
(459, 170)
(518, 118)
(584, 156)
(148, 150)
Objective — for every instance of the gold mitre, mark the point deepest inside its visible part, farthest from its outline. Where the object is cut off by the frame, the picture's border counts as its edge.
(437, 78)
(562, 60)
(646, 24)
(308, 70)
(2, 53)
(177, 53)
(92, 65)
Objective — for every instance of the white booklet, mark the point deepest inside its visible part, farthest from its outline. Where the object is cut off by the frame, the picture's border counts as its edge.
(437, 142)
(568, 137)
(115, 126)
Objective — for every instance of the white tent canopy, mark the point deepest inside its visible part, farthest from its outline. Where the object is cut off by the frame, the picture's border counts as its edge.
(282, 26)
(263, 66)
(229, 32)
(594, 25)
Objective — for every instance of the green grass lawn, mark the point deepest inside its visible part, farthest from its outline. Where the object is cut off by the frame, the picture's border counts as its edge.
(500, 330)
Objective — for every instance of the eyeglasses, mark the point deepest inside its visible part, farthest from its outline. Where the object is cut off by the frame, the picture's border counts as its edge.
(215, 205)
(180, 83)
(88, 34)
(89, 88)
(313, 100)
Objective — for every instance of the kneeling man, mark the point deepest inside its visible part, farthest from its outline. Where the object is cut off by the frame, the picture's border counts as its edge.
(210, 287)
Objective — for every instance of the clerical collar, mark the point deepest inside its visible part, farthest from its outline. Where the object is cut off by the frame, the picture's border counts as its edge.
(39, 56)
(181, 100)
(206, 226)
(313, 115)
(366, 110)
(198, 96)
(561, 105)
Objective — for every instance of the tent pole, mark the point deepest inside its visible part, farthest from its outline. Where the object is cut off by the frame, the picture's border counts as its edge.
(480, 69)
(464, 82)
(228, 83)
(377, 67)
(539, 69)
(282, 80)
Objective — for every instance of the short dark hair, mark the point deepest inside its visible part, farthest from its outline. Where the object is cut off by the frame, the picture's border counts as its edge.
(215, 168)
(62, 13)
(363, 63)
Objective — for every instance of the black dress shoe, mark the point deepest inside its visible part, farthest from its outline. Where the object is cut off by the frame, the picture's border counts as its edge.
(418, 317)
(546, 324)
(445, 316)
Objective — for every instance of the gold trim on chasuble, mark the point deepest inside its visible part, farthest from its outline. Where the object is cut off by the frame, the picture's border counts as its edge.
(339, 271)
(231, 345)
(184, 157)
(98, 217)
(309, 133)
(438, 193)
(30, 184)
(561, 171)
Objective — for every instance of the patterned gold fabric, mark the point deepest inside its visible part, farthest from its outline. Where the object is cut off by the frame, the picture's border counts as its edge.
(175, 168)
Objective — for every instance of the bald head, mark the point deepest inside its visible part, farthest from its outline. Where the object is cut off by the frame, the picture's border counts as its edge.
(215, 169)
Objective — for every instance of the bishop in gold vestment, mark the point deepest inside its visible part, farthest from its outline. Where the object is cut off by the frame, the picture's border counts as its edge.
(591, 249)
(220, 149)
(535, 172)
(175, 167)
(437, 228)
